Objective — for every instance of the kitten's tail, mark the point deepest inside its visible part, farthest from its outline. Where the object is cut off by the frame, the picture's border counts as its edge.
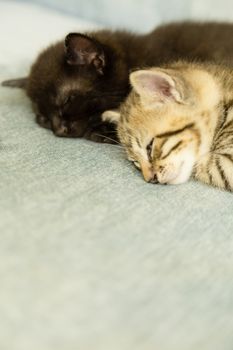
(18, 83)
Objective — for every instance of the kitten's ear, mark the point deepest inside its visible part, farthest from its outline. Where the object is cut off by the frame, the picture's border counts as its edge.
(111, 116)
(155, 86)
(83, 50)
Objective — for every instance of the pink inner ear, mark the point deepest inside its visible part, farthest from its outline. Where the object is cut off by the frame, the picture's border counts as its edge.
(80, 49)
(163, 86)
(155, 83)
(83, 50)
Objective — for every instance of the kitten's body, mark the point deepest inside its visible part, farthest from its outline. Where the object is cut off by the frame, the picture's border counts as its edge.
(178, 122)
(73, 82)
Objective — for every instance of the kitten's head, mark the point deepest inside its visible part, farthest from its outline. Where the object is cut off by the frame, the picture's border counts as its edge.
(70, 83)
(162, 121)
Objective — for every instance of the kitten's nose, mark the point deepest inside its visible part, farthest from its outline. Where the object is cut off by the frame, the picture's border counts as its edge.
(61, 131)
(59, 127)
(66, 128)
(154, 179)
(148, 173)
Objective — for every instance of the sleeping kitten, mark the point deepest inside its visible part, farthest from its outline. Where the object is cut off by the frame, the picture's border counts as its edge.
(178, 122)
(74, 81)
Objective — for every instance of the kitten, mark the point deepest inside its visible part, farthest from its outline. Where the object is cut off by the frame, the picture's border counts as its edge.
(178, 122)
(74, 81)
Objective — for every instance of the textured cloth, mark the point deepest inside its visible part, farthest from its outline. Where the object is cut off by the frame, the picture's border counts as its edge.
(142, 15)
(92, 257)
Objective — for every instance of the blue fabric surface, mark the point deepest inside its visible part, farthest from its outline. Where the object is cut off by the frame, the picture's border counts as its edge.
(141, 15)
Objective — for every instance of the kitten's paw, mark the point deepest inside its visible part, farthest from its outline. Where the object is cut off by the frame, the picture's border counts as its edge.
(111, 116)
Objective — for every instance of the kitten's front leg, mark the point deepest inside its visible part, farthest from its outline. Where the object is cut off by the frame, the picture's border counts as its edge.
(216, 169)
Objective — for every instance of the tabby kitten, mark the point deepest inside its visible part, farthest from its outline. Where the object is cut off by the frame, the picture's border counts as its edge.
(178, 122)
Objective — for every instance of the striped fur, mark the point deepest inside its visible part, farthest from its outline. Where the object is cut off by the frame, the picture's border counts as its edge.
(181, 124)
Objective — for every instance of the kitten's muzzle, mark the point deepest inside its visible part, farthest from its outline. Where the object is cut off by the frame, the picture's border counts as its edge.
(148, 173)
(65, 128)
(154, 180)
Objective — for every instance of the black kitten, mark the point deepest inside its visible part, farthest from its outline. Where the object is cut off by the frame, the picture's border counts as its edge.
(73, 82)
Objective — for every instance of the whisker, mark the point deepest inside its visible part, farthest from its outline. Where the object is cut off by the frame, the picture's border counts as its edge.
(110, 131)
(110, 139)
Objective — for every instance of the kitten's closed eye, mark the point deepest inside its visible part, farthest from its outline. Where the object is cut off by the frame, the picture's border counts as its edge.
(68, 99)
(149, 149)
